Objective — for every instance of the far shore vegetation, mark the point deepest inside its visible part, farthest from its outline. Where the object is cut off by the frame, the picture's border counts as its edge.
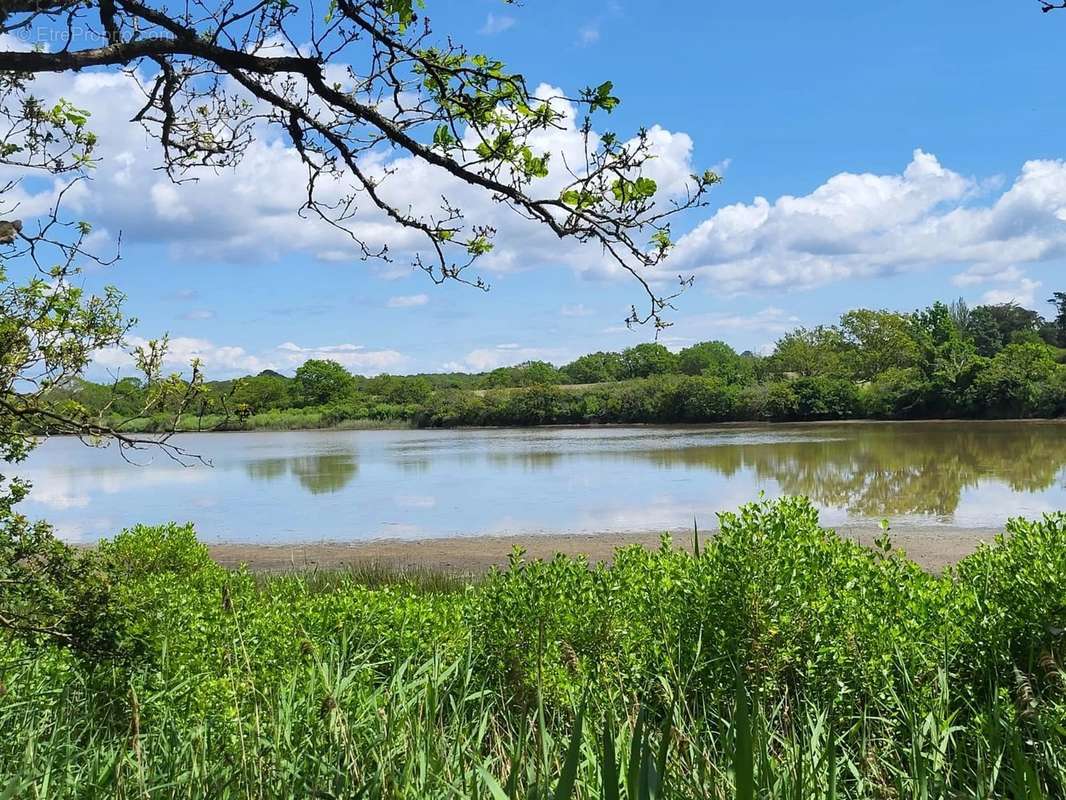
(990, 361)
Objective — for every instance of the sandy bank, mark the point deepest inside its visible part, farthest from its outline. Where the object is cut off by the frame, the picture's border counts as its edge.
(932, 548)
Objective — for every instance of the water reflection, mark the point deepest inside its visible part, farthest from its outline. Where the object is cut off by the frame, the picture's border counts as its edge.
(891, 470)
(304, 486)
(321, 473)
(869, 470)
(528, 460)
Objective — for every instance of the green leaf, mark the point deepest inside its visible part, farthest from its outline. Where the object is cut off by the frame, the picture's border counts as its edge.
(603, 97)
(565, 788)
(710, 178)
(403, 10)
(609, 767)
(636, 750)
(493, 785)
(14, 788)
(534, 166)
(660, 762)
(443, 137)
(743, 752)
(478, 246)
(661, 240)
(627, 191)
(831, 767)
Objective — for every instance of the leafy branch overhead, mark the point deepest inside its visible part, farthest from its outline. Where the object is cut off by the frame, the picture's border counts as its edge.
(349, 82)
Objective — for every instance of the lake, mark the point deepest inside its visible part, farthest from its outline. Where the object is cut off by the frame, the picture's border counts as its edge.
(355, 485)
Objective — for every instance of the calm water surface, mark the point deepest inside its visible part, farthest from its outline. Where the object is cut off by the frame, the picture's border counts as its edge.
(308, 486)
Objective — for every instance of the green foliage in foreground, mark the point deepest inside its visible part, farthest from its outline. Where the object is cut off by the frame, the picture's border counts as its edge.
(781, 661)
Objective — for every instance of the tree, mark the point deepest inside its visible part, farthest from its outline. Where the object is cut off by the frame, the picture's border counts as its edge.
(49, 330)
(400, 389)
(262, 392)
(895, 393)
(984, 332)
(806, 352)
(1058, 299)
(934, 326)
(947, 361)
(715, 359)
(879, 341)
(318, 382)
(822, 397)
(993, 327)
(534, 405)
(647, 359)
(594, 368)
(528, 373)
(349, 81)
(960, 314)
(1012, 381)
(704, 399)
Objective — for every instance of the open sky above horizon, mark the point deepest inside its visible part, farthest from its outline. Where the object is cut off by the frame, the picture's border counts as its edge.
(880, 155)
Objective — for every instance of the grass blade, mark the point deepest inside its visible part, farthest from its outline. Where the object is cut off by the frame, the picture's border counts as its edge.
(636, 753)
(609, 768)
(493, 785)
(743, 752)
(565, 788)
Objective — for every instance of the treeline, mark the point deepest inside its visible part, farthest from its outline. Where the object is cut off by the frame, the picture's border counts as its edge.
(942, 361)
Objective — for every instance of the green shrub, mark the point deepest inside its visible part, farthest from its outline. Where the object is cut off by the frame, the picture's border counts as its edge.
(780, 401)
(702, 399)
(894, 394)
(825, 398)
(153, 549)
(911, 684)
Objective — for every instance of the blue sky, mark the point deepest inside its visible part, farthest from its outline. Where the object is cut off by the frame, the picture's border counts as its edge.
(917, 147)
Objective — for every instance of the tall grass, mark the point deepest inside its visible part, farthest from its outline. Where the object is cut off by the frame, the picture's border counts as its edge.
(781, 662)
(435, 729)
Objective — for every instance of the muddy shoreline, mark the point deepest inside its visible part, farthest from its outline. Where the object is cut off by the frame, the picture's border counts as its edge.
(932, 548)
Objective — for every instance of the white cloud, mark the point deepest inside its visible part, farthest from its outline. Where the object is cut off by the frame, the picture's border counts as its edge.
(408, 300)
(986, 273)
(861, 226)
(181, 350)
(497, 23)
(588, 34)
(198, 314)
(504, 355)
(768, 320)
(250, 213)
(852, 226)
(166, 199)
(220, 361)
(1024, 293)
(353, 356)
(576, 310)
(1012, 284)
